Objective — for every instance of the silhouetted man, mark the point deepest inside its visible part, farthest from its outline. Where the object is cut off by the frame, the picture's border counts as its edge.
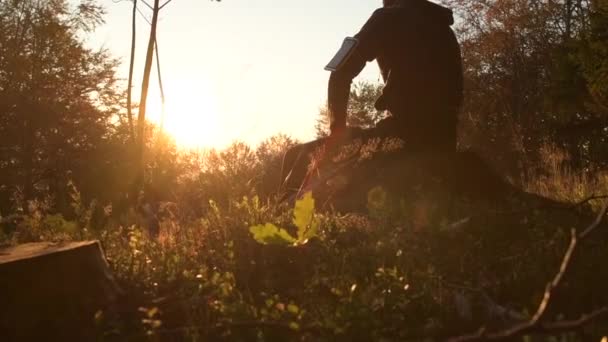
(420, 61)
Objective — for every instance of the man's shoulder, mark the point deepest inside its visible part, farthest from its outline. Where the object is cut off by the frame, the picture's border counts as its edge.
(384, 13)
(415, 11)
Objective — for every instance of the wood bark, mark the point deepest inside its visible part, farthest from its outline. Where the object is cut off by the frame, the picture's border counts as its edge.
(141, 119)
(131, 65)
(52, 291)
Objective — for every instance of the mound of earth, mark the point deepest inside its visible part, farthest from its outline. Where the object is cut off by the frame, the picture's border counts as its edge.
(343, 179)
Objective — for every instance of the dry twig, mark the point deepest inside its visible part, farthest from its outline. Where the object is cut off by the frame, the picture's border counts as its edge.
(536, 324)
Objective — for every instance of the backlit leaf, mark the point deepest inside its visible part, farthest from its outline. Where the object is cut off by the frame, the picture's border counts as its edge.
(270, 234)
(304, 218)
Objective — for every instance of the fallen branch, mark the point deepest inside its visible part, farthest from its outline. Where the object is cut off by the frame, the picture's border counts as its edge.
(587, 200)
(574, 324)
(555, 205)
(535, 324)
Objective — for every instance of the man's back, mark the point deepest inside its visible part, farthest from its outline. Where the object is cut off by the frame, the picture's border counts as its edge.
(419, 56)
(420, 61)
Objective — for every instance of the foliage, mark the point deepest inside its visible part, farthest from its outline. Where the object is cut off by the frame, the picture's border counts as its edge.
(415, 266)
(528, 80)
(361, 110)
(303, 218)
(58, 99)
(374, 276)
(271, 234)
(560, 181)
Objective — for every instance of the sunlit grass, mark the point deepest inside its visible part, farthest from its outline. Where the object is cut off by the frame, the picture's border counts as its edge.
(559, 181)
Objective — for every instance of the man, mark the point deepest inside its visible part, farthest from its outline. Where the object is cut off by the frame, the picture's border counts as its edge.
(420, 61)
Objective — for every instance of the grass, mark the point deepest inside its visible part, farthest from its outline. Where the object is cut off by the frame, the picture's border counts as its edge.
(561, 182)
(377, 276)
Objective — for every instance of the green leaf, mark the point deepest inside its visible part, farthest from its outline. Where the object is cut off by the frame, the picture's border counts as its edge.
(304, 218)
(377, 202)
(294, 309)
(270, 234)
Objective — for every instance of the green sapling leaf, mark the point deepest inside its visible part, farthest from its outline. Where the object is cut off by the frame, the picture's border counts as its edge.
(304, 218)
(269, 234)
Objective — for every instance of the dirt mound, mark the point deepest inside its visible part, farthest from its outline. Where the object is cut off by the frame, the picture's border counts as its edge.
(343, 178)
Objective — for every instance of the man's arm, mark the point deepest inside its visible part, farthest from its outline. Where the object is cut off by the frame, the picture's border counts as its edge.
(341, 79)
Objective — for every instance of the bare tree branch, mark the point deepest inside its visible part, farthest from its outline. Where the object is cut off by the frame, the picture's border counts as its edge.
(587, 200)
(148, 5)
(160, 86)
(574, 324)
(535, 324)
(165, 4)
(144, 16)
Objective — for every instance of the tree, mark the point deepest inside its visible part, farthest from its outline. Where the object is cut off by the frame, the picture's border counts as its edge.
(57, 97)
(131, 66)
(141, 117)
(361, 110)
(525, 83)
(270, 155)
(156, 7)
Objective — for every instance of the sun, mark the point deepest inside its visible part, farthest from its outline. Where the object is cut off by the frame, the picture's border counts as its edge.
(191, 114)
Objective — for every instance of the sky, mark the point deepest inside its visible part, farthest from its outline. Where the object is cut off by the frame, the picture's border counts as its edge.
(237, 69)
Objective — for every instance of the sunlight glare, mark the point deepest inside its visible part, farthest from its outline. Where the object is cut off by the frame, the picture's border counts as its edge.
(192, 116)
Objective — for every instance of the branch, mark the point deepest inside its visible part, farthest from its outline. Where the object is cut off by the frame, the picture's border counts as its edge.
(596, 223)
(574, 324)
(160, 86)
(148, 5)
(144, 16)
(165, 4)
(535, 323)
(587, 200)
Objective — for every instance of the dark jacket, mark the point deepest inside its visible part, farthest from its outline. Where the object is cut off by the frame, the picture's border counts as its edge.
(419, 58)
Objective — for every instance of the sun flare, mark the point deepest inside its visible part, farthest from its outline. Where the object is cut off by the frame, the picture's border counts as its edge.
(191, 114)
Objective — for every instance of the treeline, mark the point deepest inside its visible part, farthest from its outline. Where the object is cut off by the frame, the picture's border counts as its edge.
(536, 74)
(64, 130)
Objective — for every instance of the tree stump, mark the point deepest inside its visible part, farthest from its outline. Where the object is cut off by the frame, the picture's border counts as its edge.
(52, 291)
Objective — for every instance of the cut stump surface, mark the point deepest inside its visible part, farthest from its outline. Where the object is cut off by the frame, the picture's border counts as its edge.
(53, 290)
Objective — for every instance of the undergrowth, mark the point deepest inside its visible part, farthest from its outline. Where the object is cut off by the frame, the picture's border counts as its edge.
(259, 270)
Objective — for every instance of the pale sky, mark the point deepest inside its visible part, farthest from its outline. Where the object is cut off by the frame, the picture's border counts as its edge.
(238, 69)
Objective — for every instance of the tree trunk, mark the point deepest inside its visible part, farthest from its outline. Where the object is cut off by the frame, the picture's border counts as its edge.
(52, 292)
(131, 64)
(141, 119)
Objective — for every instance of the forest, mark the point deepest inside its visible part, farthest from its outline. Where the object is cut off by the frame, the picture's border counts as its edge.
(204, 248)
